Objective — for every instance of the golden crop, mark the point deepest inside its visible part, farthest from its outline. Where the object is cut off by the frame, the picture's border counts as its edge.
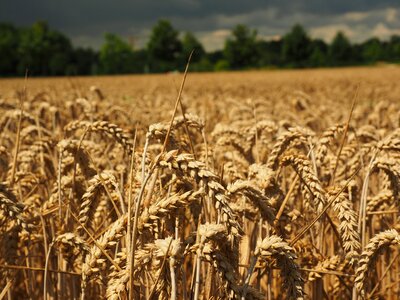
(263, 185)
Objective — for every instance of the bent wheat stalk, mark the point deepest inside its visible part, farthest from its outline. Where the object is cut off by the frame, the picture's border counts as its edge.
(275, 247)
(369, 255)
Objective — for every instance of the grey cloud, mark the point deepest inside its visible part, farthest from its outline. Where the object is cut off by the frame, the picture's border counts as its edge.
(86, 21)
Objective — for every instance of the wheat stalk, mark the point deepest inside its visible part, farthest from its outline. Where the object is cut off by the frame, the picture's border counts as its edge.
(370, 254)
(348, 227)
(275, 247)
(186, 164)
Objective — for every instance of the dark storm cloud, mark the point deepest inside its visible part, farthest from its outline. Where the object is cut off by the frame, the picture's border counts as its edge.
(86, 20)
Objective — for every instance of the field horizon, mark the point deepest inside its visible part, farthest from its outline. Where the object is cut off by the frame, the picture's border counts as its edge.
(130, 85)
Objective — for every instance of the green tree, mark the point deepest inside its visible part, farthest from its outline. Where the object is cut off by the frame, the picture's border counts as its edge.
(296, 48)
(319, 51)
(373, 50)
(164, 47)
(269, 53)
(241, 48)
(84, 62)
(189, 43)
(393, 51)
(116, 55)
(340, 50)
(222, 65)
(43, 51)
(215, 56)
(204, 65)
(140, 61)
(8, 44)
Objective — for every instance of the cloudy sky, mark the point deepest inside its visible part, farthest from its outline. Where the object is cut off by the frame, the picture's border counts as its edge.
(86, 21)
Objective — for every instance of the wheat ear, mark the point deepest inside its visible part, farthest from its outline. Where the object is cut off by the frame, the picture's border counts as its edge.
(275, 247)
(370, 254)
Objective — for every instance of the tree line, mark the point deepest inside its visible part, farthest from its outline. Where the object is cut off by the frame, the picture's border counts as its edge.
(48, 52)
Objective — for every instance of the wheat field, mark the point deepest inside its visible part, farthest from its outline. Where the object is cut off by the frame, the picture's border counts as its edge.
(255, 185)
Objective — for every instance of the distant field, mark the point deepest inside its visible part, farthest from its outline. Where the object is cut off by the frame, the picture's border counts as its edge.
(263, 188)
(257, 82)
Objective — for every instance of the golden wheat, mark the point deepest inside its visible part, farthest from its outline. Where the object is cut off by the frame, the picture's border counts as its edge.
(259, 189)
